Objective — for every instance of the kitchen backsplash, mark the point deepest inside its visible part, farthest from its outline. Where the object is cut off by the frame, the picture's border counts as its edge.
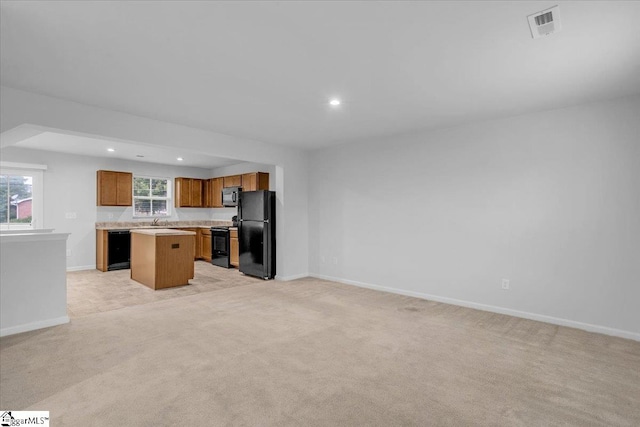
(113, 213)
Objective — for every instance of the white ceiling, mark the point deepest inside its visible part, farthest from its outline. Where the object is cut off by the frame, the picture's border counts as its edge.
(266, 70)
(80, 145)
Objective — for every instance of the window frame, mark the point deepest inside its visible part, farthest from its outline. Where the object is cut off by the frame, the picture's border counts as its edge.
(151, 197)
(36, 172)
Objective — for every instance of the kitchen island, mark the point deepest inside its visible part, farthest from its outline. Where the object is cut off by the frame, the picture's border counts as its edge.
(201, 227)
(162, 258)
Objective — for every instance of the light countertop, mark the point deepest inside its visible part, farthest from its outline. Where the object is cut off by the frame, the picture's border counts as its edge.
(163, 232)
(132, 225)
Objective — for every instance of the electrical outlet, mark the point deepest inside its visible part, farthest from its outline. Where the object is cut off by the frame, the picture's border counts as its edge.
(68, 252)
(322, 259)
(335, 260)
(110, 216)
(505, 284)
(71, 215)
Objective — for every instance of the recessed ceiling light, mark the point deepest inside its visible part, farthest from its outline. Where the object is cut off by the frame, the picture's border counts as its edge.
(111, 150)
(179, 159)
(334, 102)
(139, 155)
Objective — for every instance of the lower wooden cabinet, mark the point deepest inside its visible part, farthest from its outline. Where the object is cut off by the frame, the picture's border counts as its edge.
(201, 246)
(205, 244)
(234, 249)
(102, 250)
(161, 258)
(196, 242)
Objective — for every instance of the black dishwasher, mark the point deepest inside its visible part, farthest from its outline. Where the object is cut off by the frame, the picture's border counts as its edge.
(220, 246)
(119, 250)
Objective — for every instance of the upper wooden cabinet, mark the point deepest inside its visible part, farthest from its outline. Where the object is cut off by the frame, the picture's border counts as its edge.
(255, 181)
(207, 193)
(182, 192)
(188, 193)
(215, 188)
(212, 193)
(196, 193)
(114, 188)
(233, 181)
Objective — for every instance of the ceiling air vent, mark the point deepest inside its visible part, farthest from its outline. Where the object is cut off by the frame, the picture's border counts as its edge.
(545, 22)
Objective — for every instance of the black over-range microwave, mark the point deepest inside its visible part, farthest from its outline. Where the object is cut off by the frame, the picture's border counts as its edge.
(230, 196)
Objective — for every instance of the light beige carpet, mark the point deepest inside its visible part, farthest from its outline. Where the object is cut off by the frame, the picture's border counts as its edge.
(316, 353)
(93, 291)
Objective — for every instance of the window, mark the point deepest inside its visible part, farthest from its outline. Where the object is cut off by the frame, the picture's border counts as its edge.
(20, 196)
(151, 196)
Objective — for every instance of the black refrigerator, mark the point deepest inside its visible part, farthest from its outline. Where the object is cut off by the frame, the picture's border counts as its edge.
(257, 233)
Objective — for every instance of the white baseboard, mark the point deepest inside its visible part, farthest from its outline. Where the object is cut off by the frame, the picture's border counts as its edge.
(292, 277)
(12, 330)
(82, 267)
(492, 308)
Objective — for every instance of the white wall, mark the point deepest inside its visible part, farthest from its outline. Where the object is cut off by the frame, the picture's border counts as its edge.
(24, 114)
(70, 187)
(549, 200)
(33, 282)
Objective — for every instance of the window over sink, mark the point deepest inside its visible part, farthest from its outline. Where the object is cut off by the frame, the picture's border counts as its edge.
(151, 197)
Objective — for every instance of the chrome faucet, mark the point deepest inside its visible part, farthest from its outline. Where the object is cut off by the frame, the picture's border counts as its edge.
(155, 222)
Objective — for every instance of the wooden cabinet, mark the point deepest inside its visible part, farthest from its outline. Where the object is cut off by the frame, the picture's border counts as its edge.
(201, 246)
(188, 193)
(255, 181)
(196, 241)
(212, 192)
(207, 193)
(216, 192)
(233, 181)
(182, 192)
(234, 247)
(102, 250)
(205, 244)
(196, 193)
(114, 188)
(162, 258)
